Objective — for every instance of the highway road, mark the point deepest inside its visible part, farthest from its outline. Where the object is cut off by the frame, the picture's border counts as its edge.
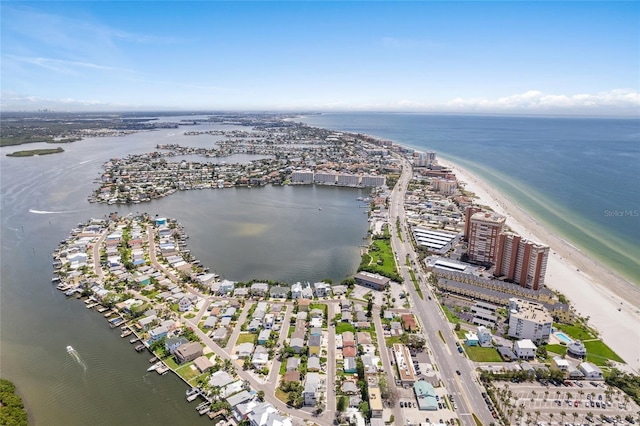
(464, 387)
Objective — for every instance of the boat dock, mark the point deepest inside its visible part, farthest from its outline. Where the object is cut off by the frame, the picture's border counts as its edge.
(162, 370)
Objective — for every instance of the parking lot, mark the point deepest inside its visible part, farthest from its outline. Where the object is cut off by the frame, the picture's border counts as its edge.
(413, 415)
(564, 404)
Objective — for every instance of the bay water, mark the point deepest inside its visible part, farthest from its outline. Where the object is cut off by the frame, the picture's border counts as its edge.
(290, 234)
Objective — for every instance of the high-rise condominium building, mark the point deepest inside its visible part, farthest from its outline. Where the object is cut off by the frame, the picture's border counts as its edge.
(521, 261)
(484, 229)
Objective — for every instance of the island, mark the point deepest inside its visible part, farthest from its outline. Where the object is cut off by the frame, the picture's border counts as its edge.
(33, 152)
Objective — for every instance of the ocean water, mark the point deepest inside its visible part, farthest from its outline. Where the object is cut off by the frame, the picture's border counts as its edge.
(578, 176)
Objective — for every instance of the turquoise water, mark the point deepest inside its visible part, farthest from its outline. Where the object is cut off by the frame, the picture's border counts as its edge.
(560, 335)
(578, 176)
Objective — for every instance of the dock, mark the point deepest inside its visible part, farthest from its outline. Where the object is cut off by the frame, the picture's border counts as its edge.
(162, 370)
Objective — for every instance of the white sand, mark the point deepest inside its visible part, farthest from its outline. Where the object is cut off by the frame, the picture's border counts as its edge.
(594, 290)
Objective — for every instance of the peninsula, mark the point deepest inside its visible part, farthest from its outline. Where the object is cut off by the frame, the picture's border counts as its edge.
(449, 288)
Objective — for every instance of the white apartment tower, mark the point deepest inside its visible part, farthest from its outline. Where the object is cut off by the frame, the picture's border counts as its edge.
(529, 320)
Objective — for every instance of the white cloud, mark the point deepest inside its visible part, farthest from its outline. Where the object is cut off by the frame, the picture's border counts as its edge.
(62, 65)
(537, 101)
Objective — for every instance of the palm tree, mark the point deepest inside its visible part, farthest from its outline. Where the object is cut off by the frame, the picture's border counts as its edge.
(558, 394)
(550, 417)
(569, 395)
(546, 394)
(562, 414)
(537, 413)
(575, 416)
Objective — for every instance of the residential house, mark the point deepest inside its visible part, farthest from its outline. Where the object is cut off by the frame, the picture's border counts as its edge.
(293, 363)
(296, 291)
(254, 325)
(157, 333)
(322, 289)
(241, 292)
(268, 321)
(303, 305)
(349, 387)
(314, 345)
(279, 292)
(339, 290)
(263, 336)
(363, 338)
(471, 339)
(310, 392)
(188, 352)
(348, 339)
(259, 289)
(203, 364)
(173, 343)
(349, 365)
(219, 334)
(484, 336)
(244, 350)
(260, 357)
(524, 349)
(147, 322)
(220, 379)
(313, 363)
(210, 322)
(226, 287)
(296, 344)
(316, 313)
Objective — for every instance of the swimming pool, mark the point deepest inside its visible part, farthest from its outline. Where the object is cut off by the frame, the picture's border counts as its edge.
(561, 336)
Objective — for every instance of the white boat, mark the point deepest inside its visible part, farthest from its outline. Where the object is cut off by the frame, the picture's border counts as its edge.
(69, 349)
(155, 366)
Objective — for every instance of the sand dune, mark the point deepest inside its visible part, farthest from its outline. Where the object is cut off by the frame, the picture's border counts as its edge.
(611, 302)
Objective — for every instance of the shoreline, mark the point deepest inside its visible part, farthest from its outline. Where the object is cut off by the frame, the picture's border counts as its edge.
(594, 290)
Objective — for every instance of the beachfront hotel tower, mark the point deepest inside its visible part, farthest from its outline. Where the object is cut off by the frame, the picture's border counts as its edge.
(484, 229)
(521, 261)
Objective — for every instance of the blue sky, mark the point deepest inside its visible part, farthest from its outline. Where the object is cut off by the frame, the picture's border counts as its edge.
(505, 57)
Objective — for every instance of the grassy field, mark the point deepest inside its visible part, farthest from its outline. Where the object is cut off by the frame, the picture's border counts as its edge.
(382, 256)
(478, 354)
(187, 372)
(453, 318)
(599, 353)
(341, 327)
(281, 395)
(557, 349)
(575, 331)
(247, 337)
(389, 341)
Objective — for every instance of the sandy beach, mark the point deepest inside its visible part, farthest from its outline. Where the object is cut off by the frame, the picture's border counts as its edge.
(611, 303)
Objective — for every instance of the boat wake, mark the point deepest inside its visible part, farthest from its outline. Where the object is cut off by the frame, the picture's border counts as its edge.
(34, 211)
(76, 357)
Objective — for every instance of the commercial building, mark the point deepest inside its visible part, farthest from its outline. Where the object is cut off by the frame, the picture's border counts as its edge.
(374, 281)
(426, 396)
(375, 402)
(403, 362)
(436, 241)
(521, 261)
(529, 320)
(484, 229)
